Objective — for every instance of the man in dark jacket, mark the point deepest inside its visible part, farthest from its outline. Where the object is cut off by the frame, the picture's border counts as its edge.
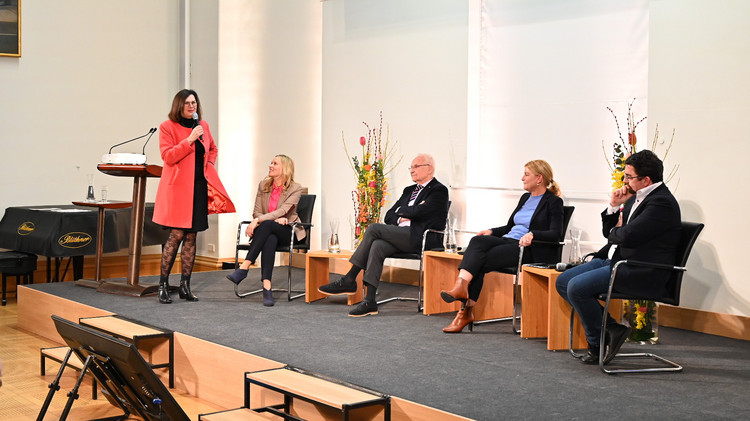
(422, 206)
(641, 223)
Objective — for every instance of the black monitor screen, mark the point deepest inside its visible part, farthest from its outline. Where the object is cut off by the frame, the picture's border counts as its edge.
(128, 380)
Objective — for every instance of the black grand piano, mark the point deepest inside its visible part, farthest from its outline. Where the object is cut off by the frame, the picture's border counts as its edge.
(69, 231)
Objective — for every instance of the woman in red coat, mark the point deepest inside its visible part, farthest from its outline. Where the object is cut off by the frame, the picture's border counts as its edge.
(189, 188)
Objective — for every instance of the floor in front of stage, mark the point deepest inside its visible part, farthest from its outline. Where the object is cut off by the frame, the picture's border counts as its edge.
(487, 374)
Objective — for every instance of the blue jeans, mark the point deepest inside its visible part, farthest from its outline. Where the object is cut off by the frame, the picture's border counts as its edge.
(580, 286)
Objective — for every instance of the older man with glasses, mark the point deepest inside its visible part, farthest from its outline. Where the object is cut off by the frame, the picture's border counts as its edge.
(642, 223)
(422, 206)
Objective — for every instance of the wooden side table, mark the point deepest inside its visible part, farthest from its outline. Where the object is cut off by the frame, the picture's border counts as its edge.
(318, 273)
(544, 313)
(440, 272)
(101, 206)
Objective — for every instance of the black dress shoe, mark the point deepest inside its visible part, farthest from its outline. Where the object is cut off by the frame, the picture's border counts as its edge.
(616, 336)
(592, 357)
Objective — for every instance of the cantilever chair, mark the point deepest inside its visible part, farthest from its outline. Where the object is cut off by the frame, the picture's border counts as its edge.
(516, 270)
(417, 256)
(305, 211)
(690, 232)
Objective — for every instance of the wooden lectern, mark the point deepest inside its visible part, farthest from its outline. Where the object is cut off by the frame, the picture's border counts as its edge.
(139, 173)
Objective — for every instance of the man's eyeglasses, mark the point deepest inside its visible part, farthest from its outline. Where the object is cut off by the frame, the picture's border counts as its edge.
(417, 166)
(631, 177)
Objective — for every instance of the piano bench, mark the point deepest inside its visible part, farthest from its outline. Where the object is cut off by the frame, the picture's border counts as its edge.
(18, 264)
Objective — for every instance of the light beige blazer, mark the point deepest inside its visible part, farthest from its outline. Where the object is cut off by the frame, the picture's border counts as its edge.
(286, 208)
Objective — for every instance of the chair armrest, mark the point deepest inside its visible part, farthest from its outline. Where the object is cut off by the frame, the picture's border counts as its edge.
(301, 224)
(547, 243)
(649, 265)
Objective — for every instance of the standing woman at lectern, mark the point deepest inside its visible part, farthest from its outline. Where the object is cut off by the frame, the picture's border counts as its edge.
(189, 188)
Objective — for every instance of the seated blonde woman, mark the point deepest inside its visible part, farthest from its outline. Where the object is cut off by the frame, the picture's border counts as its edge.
(539, 215)
(275, 208)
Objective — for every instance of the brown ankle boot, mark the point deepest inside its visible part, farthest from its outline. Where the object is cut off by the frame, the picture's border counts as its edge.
(464, 317)
(459, 292)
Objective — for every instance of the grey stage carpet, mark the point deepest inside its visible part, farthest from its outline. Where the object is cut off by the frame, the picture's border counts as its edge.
(486, 375)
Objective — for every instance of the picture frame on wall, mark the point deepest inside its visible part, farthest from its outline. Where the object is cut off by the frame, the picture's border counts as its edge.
(10, 28)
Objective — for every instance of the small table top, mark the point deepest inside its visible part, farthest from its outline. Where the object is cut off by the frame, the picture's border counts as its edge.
(443, 254)
(343, 254)
(110, 204)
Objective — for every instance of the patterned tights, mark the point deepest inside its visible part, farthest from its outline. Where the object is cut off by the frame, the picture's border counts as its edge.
(187, 255)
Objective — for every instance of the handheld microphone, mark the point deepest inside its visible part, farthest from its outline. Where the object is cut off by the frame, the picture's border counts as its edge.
(562, 267)
(195, 117)
(152, 131)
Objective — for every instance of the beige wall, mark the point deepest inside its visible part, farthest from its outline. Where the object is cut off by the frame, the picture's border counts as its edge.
(289, 76)
(699, 62)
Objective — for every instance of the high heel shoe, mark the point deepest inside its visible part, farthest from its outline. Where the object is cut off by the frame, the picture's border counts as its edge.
(185, 292)
(459, 292)
(164, 297)
(464, 317)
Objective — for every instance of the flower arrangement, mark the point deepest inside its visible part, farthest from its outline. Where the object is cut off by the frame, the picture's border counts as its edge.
(371, 173)
(623, 149)
(641, 315)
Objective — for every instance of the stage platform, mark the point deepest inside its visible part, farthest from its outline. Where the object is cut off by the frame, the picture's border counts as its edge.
(488, 374)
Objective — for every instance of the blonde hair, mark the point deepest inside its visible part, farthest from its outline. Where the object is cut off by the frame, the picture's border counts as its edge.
(541, 167)
(287, 174)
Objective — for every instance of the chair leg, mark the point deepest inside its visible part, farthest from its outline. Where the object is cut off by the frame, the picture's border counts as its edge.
(570, 337)
(505, 319)
(670, 366)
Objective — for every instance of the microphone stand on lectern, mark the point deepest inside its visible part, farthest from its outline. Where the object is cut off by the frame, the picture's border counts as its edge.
(139, 173)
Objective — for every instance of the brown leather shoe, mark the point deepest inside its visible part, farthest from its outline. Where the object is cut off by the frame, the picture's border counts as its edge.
(464, 317)
(459, 292)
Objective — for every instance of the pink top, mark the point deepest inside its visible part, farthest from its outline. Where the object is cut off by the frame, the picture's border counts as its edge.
(275, 195)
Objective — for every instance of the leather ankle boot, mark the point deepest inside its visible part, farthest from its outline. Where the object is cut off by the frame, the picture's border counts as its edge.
(185, 292)
(464, 317)
(459, 292)
(164, 290)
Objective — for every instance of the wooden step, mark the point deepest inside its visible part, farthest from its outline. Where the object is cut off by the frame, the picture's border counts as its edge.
(57, 354)
(294, 383)
(135, 332)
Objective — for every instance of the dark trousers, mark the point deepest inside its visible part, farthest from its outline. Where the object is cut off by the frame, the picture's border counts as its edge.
(267, 236)
(486, 253)
(380, 242)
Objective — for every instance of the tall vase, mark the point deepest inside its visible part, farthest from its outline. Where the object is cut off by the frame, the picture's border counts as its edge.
(449, 237)
(642, 316)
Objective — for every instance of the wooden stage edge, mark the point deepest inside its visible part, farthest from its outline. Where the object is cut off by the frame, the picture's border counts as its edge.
(218, 379)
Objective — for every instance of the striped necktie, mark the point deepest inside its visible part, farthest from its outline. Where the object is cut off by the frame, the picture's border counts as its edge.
(415, 193)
